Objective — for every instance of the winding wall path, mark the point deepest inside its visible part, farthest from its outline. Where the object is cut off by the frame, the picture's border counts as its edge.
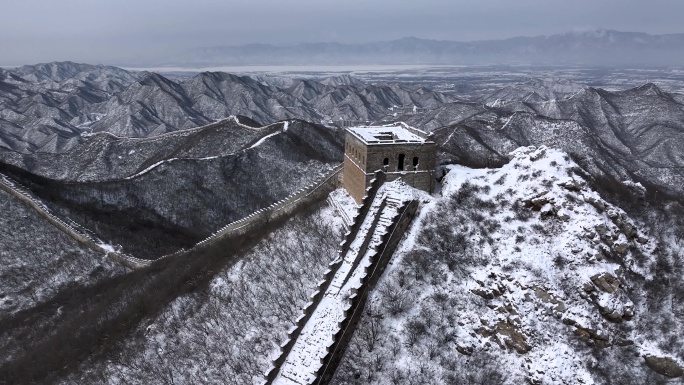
(284, 208)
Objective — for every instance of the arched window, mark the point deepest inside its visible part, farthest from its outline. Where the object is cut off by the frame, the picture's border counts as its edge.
(415, 162)
(400, 166)
(385, 162)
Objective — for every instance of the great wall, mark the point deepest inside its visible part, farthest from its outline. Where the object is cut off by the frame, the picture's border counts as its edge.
(88, 239)
(72, 229)
(277, 211)
(317, 342)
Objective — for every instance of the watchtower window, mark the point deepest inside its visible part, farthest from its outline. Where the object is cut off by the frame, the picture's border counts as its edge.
(400, 166)
(415, 162)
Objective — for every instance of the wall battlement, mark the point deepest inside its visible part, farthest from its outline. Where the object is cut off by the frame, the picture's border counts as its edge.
(72, 229)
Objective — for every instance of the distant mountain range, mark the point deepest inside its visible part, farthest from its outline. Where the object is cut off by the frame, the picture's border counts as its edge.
(635, 134)
(594, 47)
(54, 116)
(51, 107)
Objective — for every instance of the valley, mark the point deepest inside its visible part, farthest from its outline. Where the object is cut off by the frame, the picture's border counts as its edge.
(550, 251)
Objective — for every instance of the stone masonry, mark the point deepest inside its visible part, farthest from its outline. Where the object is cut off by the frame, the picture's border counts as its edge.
(401, 151)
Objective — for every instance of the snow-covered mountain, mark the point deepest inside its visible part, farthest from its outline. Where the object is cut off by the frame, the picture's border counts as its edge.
(634, 134)
(522, 274)
(535, 90)
(51, 107)
(154, 196)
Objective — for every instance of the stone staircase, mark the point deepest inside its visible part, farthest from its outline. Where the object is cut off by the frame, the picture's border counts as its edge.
(319, 339)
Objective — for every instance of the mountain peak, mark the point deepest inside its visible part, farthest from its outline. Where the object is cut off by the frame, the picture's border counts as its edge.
(346, 80)
(649, 89)
(149, 78)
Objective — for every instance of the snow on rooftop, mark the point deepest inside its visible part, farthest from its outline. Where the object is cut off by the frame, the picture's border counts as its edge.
(387, 134)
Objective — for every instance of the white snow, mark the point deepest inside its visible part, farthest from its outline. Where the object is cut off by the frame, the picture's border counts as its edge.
(508, 120)
(150, 168)
(344, 205)
(386, 134)
(262, 140)
(107, 247)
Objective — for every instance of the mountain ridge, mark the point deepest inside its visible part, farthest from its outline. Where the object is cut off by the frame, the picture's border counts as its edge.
(631, 135)
(51, 106)
(600, 47)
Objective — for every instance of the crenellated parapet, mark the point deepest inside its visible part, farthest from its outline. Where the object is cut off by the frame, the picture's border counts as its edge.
(72, 229)
(274, 212)
(324, 284)
(357, 301)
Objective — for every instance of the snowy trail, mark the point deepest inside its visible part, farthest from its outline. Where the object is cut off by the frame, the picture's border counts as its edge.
(302, 364)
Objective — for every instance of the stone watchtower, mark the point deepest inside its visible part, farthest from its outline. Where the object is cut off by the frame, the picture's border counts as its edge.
(401, 151)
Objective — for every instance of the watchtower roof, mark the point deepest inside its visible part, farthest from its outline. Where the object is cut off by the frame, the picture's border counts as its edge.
(389, 134)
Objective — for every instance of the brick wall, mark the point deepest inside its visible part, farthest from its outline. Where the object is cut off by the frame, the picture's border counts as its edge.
(361, 160)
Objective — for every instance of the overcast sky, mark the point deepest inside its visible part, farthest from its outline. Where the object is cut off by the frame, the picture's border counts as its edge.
(114, 32)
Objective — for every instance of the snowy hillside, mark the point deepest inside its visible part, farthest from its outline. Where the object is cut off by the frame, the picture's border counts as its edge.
(515, 275)
(40, 268)
(635, 134)
(181, 188)
(227, 332)
(37, 260)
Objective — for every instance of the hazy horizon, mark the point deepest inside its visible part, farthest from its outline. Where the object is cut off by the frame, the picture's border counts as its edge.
(109, 32)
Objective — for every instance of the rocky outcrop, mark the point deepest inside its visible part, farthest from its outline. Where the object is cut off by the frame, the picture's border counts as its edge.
(665, 366)
(611, 301)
